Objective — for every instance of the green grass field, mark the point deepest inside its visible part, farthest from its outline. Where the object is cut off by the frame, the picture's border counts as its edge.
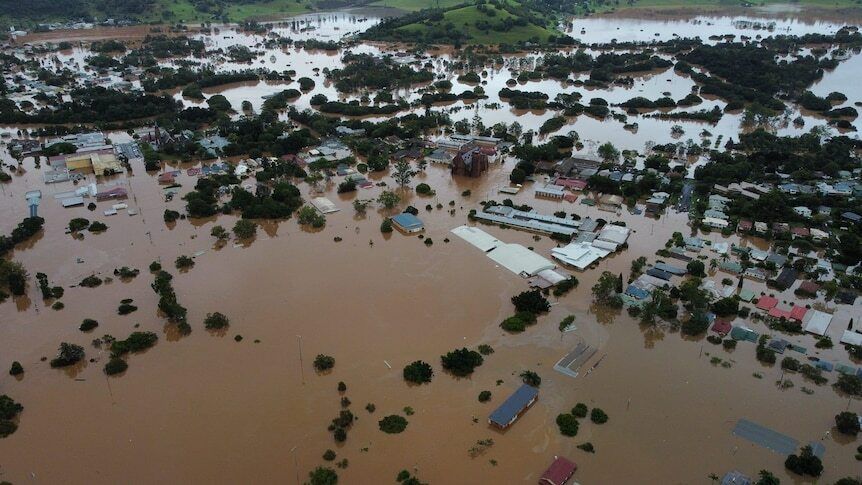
(184, 11)
(465, 19)
(416, 5)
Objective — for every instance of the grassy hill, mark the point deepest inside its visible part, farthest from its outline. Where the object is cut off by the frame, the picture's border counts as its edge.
(494, 22)
(30, 12)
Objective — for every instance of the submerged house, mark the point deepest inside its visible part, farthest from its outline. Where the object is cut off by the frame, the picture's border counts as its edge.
(408, 223)
(512, 409)
(560, 471)
(472, 162)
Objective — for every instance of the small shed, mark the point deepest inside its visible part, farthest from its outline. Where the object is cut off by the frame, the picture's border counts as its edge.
(513, 407)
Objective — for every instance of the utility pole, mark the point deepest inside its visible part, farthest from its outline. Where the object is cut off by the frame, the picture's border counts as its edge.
(295, 464)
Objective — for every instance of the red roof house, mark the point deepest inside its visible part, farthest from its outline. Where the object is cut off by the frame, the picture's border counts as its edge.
(798, 313)
(766, 302)
(801, 231)
(166, 178)
(560, 471)
(776, 312)
(570, 183)
(721, 327)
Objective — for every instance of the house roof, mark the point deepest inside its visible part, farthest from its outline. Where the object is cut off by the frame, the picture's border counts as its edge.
(513, 405)
(766, 302)
(559, 472)
(809, 287)
(817, 322)
(659, 274)
(786, 278)
(798, 313)
(407, 221)
(721, 327)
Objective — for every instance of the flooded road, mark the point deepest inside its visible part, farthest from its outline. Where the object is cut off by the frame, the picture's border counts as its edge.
(206, 408)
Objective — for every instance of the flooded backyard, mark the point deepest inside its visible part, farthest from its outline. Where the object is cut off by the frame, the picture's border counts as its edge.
(209, 407)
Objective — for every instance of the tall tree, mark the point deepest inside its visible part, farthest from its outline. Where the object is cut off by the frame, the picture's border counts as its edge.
(403, 172)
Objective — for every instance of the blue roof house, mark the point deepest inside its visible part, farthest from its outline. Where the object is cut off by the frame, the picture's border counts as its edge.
(512, 409)
(408, 223)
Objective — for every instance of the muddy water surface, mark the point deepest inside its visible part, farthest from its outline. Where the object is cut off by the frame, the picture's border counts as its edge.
(205, 408)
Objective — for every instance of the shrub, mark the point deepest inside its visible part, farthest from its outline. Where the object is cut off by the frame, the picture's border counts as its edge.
(216, 321)
(126, 273)
(7, 427)
(418, 372)
(461, 362)
(518, 322)
(9, 408)
(588, 447)
(16, 369)
(171, 216)
(485, 349)
(846, 422)
(115, 366)
(789, 363)
(568, 424)
(580, 410)
(244, 229)
(824, 343)
(323, 362)
(88, 324)
(78, 224)
(386, 226)
(219, 233)
(598, 416)
(322, 475)
(329, 455)
(155, 266)
(135, 342)
(91, 281)
(392, 424)
(184, 262)
(97, 226)
(68, 354)
(126, 308)
(424, 189)
(531, 378)
(531, 301)
(484, 396)
(729, 344)
(806, 463)
(849, 384)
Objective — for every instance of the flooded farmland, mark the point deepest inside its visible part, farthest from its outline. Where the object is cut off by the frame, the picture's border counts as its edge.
(209, 407)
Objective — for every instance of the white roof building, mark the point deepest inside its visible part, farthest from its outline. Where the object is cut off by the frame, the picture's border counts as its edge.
(816, 322)
(477, 237)
(579, 255)
(324, 205)
(520, 260)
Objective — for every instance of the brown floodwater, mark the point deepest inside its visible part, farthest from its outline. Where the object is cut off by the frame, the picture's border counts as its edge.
(205, 408)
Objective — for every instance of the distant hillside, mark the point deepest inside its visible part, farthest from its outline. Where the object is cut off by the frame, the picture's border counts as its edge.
(491, 22)
(29, 12)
